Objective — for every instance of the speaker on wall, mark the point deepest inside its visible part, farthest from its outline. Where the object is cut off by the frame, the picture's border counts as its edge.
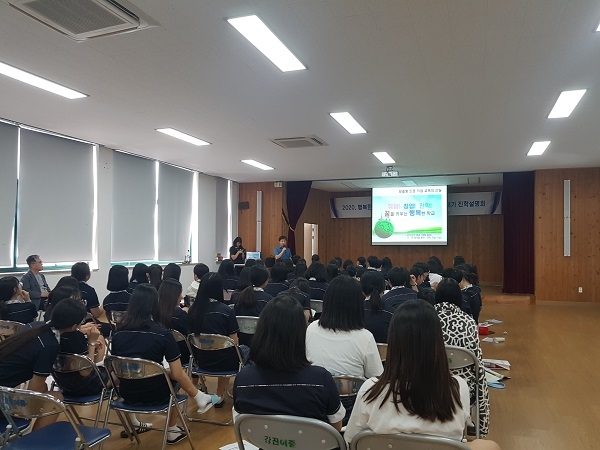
(243, 205)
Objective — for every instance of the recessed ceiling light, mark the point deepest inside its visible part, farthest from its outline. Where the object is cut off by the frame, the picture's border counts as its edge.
(184, 137)
(384, 157)
(346, 120)
(254, 29)
(257, 164)
(39, 82)
(409, 183)
(566, 103)
(538, 148)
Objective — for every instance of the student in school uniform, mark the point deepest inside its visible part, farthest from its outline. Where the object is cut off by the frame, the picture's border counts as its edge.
(15, 304)
(252, 300)
(81, 272)
(29, 355)
(399, 293)
(276, 283)
(171, 316)
(140, 336)
(209, 314)
(118, 297)
(377, 316)
(139, 275)
(282, 380)
(317, 279)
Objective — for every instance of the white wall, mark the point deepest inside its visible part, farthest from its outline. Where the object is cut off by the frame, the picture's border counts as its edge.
(207, 227)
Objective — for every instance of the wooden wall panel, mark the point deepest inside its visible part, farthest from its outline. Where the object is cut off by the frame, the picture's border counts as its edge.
(478, 238)
(558, 277)
(272, 222)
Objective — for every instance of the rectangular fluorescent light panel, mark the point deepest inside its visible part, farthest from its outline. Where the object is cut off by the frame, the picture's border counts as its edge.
(257, 164)
(184, 137)
(38, 82)
(254, 29)
(409, 183)
(538, 148)
(566, 103)
(384, 157)
(346, 120)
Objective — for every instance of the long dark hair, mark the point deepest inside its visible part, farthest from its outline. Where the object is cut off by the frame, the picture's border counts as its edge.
(211, 288)
(67, 313)
(142, 309)
(9, 286)
(317, 271)
(372, 284)
(247, 299)
(279, 343)
(416, 372)
(117, 278)
(343, 305)
(168, 299)
(448, 290)
(64, 281)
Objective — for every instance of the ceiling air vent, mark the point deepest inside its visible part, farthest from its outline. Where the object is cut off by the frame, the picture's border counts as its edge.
(300, 142)
(85, 19)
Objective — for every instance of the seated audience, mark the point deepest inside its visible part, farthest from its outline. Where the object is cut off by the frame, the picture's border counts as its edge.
(314, 258)
(199, 271)
(347, 263)
(300, 290)
(459, 276)
(373, 263)
(252, 300)
(416, 392)
(170, 315)
(58, 295)
(398, 277)
(471, 292)
(277, 284)
(140, 336)
(298, 271)
(243, 282)
(350, 271)
(317, 279)
(81, 340)
(155, 272)
(458, 260)
(282, 380)
(377, 317)
(360, 270)
(333, 271)
(459, 329)
(139, 275)
(361, 262)
(269, 262)
(15, 303)
(29, 355)
(226, 270)
(81, 272)
(209, 314)
(118, 298)
(338, 341)
(386, 265)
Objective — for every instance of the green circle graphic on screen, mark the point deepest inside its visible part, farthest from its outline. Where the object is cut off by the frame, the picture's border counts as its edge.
(384, 228)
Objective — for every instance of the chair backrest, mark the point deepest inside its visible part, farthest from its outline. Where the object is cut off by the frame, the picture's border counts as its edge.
(317, 305)
(247, 324)
(132, 368)
(459, 357)
(367, 440)
(29, 404)
(116, 317)
(204, 341)
(179, 337)
(348, 386)
(8, 328)
(66, 362)
(382, 349)
(274, 432)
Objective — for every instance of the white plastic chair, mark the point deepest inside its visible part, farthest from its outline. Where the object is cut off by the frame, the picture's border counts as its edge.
(458, 358)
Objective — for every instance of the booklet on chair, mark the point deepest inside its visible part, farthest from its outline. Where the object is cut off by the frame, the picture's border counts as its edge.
(496, 364)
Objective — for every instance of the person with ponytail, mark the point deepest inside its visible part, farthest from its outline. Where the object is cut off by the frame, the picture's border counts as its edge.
(15, 303)
(209, 314)
(170, 315)
(30, 354)
(377, 316)
(140, 336)
(416, 392)
(252, 300)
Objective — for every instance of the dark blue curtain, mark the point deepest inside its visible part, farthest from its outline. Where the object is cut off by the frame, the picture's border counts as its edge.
(296, 197)
(518, 193)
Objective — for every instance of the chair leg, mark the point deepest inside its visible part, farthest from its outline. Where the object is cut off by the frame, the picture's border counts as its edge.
(184, 423)
(167, 426)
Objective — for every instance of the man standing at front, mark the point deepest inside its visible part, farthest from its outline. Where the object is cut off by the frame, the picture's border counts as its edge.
(282, 252)
(34, 282)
